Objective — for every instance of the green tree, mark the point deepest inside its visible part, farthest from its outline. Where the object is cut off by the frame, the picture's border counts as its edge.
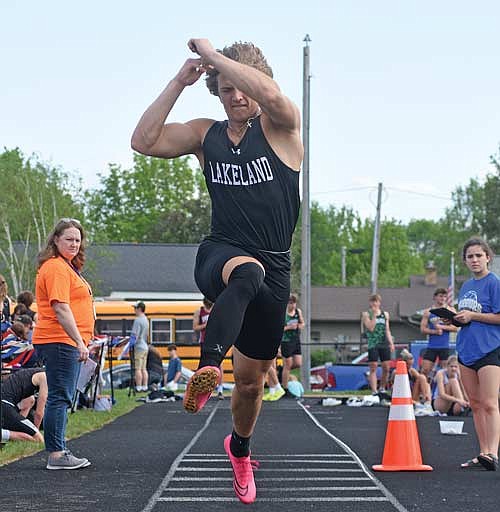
(476, 208)
(33, 196)
(332, 228)
(157, 200)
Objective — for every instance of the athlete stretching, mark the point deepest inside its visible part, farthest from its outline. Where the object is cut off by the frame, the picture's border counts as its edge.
(250, 163)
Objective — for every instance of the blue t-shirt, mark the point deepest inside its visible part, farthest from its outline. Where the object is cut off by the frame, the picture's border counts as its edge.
(477, 339)
(436, 341)
(174, 366)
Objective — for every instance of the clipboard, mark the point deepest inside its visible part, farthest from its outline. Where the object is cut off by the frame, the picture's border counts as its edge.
(446, 314)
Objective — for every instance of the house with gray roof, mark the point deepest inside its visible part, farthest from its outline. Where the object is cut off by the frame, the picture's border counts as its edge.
(131, 271)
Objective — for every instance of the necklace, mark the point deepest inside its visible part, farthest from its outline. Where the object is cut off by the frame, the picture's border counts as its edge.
(248, 124)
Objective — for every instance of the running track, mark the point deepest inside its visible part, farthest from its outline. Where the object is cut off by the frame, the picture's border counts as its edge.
(158, 458)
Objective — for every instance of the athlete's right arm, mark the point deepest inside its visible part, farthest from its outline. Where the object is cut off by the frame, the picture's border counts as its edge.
(424, 324)
(369, 324)
(153, 137)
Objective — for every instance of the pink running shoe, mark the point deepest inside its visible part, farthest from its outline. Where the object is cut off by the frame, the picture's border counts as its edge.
(243, 481)
(200, 387)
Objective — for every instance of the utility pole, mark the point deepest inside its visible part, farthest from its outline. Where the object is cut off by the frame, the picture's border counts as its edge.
(343, 265)
(376, 243)
(305, 292)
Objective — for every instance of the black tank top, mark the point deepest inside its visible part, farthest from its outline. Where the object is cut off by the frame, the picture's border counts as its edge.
(255, 196)
(19, 385)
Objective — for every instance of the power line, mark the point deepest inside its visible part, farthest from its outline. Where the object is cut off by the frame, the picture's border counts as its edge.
(424, 194)
(353, 189)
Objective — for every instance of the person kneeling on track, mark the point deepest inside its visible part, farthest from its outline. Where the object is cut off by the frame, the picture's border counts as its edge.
(18, 398)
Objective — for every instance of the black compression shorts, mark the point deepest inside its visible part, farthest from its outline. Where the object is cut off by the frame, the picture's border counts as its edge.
(15, 421)
(262, 328)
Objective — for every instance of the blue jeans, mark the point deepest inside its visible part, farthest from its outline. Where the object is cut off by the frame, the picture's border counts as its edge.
(61, 368)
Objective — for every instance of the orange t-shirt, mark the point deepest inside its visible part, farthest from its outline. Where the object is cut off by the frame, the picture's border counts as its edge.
(57, 281)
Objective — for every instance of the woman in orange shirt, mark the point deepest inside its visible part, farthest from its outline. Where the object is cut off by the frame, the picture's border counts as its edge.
(64, 329)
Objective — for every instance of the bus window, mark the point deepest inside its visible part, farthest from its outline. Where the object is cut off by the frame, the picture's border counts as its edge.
(118, 327)
(184, 334)
(161, 331)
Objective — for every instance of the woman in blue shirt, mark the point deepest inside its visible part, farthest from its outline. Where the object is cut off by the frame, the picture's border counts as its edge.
(478, 347)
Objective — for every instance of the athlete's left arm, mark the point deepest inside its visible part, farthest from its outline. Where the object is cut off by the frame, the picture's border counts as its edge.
(263, 89)
(388, 332)
(301, 323)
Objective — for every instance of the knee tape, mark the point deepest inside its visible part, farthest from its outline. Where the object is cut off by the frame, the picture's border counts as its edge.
(248, 278)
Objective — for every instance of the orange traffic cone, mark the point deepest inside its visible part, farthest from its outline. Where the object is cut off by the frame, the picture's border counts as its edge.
(402, 446)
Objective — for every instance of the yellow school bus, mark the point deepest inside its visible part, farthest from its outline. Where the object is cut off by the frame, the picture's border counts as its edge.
(169, 322)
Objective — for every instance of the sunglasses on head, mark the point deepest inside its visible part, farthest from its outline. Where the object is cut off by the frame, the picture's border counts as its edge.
(68, 219)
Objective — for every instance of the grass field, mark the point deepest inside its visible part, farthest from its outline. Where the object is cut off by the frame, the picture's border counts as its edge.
(79, 423)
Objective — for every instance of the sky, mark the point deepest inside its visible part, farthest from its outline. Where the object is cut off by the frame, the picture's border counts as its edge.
(405, 93)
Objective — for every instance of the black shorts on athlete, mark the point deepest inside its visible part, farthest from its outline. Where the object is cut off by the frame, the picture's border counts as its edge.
(290, 348)
(376, 353)
(262, 328)
(431, 354)
(13, 420)
(490, 359)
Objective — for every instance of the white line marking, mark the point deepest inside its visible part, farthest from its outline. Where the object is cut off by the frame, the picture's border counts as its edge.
(173, 468)
(289, 470)
(284, 461)
(389, 496)
(265, 455)
(273, 489)
(275, 500)
(273, 479)
(310, 461)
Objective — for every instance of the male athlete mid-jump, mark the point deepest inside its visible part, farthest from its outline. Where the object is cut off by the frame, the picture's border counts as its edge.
(251, 165)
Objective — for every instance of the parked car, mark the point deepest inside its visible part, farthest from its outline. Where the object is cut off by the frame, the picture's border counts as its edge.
(348, 376)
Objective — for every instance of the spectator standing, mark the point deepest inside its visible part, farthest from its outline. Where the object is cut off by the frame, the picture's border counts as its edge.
(65, 327)
(140, 330)
(290, 342)
(380, 341)
(478, 348)
(438, 333)
(174, 371)
(200, 320)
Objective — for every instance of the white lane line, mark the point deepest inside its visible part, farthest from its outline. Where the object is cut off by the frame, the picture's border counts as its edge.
(265, 455)
(173, 468)
(389, 496)
(289, 470)
(273, 479)
(273, 489)
(274, 500)
(283, 461)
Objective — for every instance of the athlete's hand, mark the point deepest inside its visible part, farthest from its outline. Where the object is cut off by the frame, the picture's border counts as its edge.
(203, 47)
(190, 72)
(439, 331)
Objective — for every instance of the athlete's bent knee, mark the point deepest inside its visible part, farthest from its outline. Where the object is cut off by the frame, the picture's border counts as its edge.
(248, 277)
